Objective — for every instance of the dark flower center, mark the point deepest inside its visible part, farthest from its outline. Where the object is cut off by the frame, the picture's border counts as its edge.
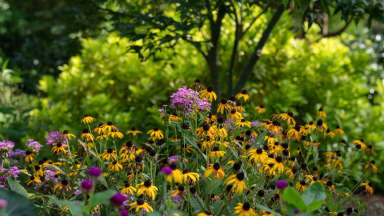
(216, 166)
(148, 183)
(240, 176)
(246, 206)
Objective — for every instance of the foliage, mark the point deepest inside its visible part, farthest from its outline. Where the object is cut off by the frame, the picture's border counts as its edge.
(218, 161)
(107, 81)
(159, 25)
(38, 36)
(14, 105)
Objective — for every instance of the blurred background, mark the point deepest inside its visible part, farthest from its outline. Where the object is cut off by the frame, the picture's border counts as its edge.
(120, 60)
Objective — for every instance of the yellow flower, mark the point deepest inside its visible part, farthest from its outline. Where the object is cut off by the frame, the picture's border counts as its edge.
(58, 148)
(206, 213)
(294, 134)
(176, 176)
(116, 134)
(109, 154)
(87, 119)
(371, 166)
(208, 94)
(174, 118)
(156, 134)
(140, 205)
(99, 129)
(223, 106)
(235, 115)
(266, 213)
(190, 177)
(360, 144)
(134, 132)
(243, 95)
(146, 188)
(63, 185)
(243, 123)
(216, 153)
(258, 156)
(367, 187)
(260, 109)
(301, 186)
(86, 135)
(68, 135)
(214, 170)
(115, 166)
(244, 209)
(237, 182)
(128, 189)
(34, 180)
(29, 156)
(321, 113)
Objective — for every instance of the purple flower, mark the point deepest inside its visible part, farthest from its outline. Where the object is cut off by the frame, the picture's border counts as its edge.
(56, 137)
(281, 183)
(3, 203)
(16, 153)
(255, 123)
(6, 145)
(34, 145)
(118, 199)
(14, 171)
(173, 159)
(123, 212)
(87, 184)
(94, 171)
(188, 100)
(49, 174)
(166, 170)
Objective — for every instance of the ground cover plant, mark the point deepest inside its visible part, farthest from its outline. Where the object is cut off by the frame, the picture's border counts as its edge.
(208, 157)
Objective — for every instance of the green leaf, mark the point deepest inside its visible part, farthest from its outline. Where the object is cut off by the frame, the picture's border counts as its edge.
(17, 204)
(75, 207)
(100, 198)
(17, 187)
(291, 196)
(315, 205)
(314, 193)
(156, 213)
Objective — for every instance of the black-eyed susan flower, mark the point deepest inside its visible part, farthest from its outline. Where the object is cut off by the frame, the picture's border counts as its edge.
(115, 166)
(116, 134)
(216, 153)
(257, 156)
(86, 135)
(109, 154)
(208, 94)
(34, 180)
(260, 109)
(87, 119)
(244, 209)
(67, 135)
(243, 95)
(235, 115)
(190, 177)
(176, 176)
(223, 106)
(177, 194)
(371, 166)
(155, 134)
(243, 123)
(266, 213)
(294, 133)
(62, 185)
(140, 206)
(237, 181)
(134, 132)
(214, 170)
(321, 113)
(301, 186)
(128, 189)
(205, 213)
(360, 144)
(58, 148)
(146, 188)
(99, 129)
(367, 186)
(29, 156)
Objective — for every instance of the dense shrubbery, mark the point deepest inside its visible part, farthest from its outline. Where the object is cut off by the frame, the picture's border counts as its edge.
(199, 161)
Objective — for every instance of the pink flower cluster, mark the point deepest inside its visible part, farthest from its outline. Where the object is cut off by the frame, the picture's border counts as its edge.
(188, 100)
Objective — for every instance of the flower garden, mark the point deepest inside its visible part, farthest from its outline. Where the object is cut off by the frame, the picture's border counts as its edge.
(208, 158)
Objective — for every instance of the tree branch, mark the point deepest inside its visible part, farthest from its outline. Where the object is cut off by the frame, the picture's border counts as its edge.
(255, 56)
(253, 21)
(338, 32)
